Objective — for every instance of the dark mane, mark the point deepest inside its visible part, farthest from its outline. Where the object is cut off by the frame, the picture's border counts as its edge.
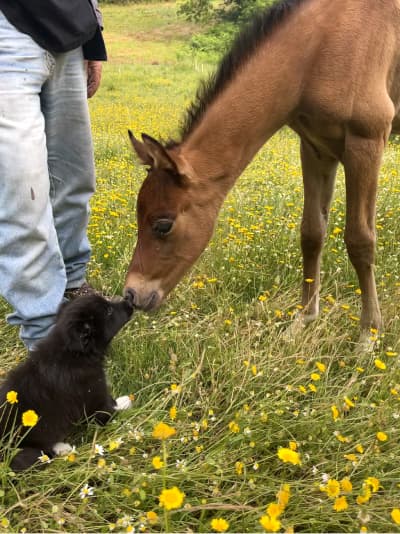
(243, 47)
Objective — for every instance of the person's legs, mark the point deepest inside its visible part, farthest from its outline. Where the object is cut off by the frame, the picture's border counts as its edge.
(32, 271)
(70, 160)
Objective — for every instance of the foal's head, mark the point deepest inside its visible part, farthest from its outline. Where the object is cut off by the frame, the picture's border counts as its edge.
(175, 216)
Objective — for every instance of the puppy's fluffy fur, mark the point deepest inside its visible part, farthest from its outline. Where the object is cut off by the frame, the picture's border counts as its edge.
(63, 380)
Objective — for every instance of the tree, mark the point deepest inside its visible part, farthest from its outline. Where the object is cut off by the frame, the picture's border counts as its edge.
(240, 10)
(196, 10)
(227, 11)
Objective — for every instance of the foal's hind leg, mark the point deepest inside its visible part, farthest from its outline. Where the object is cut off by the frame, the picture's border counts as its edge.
(362, 161)
(319, 172)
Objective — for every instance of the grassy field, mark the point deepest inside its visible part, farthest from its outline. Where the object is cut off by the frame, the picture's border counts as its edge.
(270, 435)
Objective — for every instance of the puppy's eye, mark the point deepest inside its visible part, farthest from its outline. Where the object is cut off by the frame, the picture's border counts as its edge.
(162, 227)
(110, 310)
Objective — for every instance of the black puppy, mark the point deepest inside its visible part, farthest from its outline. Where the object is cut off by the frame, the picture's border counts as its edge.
(63, 380)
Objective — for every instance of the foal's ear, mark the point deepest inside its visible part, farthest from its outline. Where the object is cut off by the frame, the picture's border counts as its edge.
(140, 149)
(152, 153)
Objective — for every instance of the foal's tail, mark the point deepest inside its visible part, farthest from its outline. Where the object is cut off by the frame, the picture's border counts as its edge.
(28, 457)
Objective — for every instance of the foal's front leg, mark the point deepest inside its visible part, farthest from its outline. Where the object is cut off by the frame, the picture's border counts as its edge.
(319, 172)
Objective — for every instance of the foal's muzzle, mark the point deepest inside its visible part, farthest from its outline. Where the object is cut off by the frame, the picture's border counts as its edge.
(147, 303)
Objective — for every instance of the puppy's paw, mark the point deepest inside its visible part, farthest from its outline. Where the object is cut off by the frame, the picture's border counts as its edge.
(62, 449)
(123, 403)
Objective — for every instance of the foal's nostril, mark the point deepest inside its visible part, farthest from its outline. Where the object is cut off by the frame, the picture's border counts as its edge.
(131, 296)
(152, 301)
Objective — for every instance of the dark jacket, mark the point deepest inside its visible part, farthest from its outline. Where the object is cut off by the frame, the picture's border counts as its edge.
(59, 25)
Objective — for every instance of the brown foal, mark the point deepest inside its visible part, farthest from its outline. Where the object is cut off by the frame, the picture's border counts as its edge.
(329, 70)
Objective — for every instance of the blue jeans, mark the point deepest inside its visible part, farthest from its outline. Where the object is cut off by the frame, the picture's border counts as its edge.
(46, 179)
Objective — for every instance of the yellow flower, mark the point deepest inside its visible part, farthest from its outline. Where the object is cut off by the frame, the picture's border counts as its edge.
(335, 413)
(173, 412)
(351, 457)
(44, 459)
(152, 517)
(380, 364)
(115, 444)
(349, 403)
(219, 525)
(175, 388)
(321, 367)
(363, 499)
(157, 462)
(163, 431)
(332, 488)
(101, 463)
(346, 485)
(171, 498)
(287, 455)
(315, 377)
(71, 457)
(292, 445)
(234, 427)
(12, 397)
(239, 467)
(283, 495)
(341, 438)
(395, 514)
(381, 436)
(274, 510)
(270, 524)
(4, 522)
(30, 418)
(373, 483)
(340, 504)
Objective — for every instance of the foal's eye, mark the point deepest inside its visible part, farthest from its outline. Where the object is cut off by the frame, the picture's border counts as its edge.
(162, 227)
(110, 310)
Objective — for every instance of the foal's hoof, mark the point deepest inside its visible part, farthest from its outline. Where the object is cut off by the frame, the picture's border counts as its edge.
(295, 329)
(367, 342)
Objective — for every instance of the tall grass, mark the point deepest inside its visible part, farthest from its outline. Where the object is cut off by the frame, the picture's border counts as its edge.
(213, 363)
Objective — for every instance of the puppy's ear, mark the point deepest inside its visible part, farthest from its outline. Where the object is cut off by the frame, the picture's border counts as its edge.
(80, 338)
(86, 334)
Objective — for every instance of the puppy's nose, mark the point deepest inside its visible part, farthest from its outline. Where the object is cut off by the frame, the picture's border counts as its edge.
(131, 297)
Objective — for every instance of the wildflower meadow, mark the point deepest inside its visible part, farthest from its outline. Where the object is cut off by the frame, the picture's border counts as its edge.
(233, 428)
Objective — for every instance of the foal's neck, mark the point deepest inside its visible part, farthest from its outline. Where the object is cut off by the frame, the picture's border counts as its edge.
(256, 103)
